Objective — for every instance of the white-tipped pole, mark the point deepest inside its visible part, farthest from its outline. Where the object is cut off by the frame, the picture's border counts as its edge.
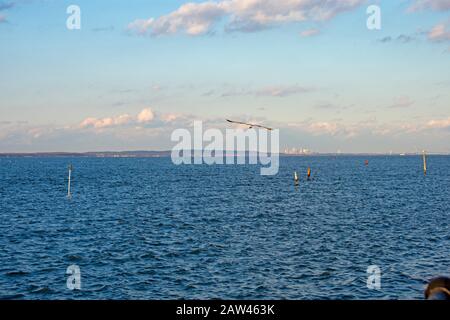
(296, 178)
(68, 186)
(424, 163)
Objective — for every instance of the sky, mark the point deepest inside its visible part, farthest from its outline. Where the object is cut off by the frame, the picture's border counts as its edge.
(137, 70)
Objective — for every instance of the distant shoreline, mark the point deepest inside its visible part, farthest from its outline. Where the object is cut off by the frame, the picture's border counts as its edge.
(164, 154)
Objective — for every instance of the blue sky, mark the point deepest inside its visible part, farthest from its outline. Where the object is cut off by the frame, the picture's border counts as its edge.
(139, 69)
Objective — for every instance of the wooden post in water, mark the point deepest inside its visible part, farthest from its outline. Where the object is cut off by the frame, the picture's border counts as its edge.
(68, 185)
(424, 163)
(295, 178)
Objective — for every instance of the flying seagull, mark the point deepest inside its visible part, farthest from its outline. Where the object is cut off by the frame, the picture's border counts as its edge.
(250, 125)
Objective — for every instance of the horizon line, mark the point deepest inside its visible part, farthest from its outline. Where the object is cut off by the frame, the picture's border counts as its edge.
(168, 152)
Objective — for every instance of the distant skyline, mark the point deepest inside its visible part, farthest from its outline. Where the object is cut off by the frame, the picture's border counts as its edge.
(137, 70)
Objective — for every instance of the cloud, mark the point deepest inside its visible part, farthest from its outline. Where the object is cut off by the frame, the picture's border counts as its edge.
(309, 33)
(402, 102)
(324, 127)
(106, 122)
(145, 116)
(403, 38)
(340, 129)
(330, 106)
(3, 18)
(439, 124)
(192, 18)
(170, 117)
(124, 132)
(439, 33)
(386, 39)
(366, 128)
(325, 105)
(241, 15)
(435, 5)
(282, 91)
(270, 91)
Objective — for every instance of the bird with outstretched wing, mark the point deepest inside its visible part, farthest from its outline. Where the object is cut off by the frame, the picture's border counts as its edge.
(250, 125)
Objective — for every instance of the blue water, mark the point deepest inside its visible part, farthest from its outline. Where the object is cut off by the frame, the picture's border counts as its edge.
(146, 229)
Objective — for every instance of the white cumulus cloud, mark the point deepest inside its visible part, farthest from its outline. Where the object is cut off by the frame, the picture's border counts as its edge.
(105, 122)
(145, 116)
(241, 15)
